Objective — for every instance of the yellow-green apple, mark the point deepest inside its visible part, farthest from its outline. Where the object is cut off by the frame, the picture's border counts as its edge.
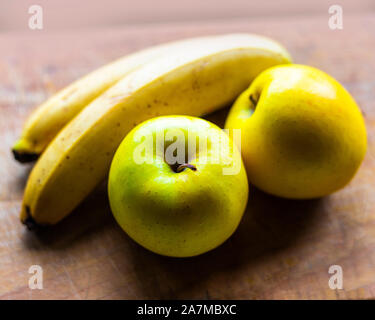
(177, 185)
(303, 135)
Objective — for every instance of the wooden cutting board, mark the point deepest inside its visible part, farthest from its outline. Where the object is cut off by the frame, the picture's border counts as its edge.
(282, 249)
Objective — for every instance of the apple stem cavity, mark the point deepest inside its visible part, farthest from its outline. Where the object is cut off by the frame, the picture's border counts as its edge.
(183, 166)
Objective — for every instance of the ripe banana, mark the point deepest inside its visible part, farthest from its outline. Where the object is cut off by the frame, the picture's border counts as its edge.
(51, 116)
(195, 81)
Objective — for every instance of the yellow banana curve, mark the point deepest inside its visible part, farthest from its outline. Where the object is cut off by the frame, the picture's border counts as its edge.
(51, 116)
(195, 81)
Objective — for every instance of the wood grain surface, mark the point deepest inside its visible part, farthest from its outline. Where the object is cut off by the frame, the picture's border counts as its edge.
(282, 249)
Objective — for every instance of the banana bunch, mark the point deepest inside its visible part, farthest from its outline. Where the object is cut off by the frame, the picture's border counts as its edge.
(82, 126)
(47, 120)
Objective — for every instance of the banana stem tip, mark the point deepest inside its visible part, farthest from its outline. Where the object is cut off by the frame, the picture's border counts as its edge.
(24, 157)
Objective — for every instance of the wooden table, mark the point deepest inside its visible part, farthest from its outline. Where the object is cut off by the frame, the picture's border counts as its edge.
(282, 249)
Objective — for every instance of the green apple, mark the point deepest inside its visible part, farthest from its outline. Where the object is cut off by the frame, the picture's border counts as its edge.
(177, 186)
(303, 135)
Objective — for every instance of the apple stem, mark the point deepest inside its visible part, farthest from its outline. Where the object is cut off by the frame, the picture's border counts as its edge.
(183, 166)
(252, 99)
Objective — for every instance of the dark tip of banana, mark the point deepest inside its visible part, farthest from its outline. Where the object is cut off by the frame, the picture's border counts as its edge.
(29, 221)
(24, 157)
